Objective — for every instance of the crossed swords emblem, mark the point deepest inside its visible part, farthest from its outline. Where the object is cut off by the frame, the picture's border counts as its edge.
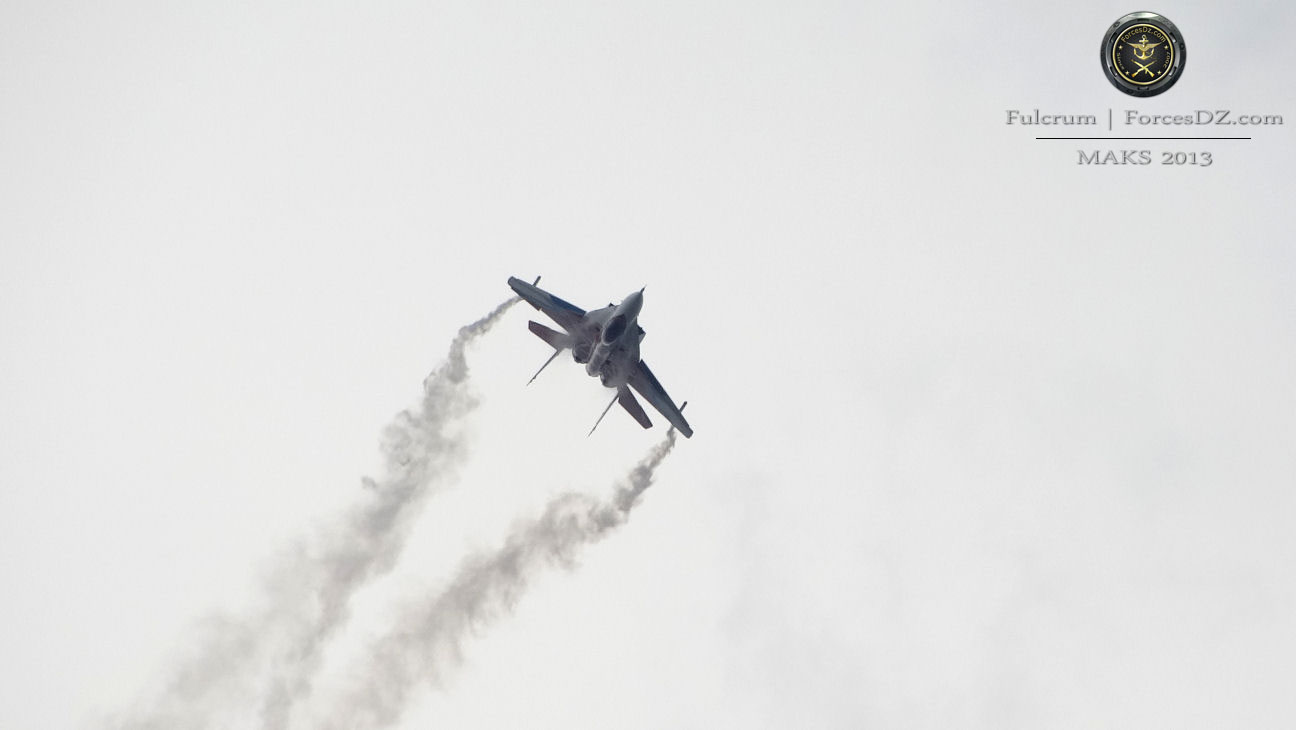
(1143, 52)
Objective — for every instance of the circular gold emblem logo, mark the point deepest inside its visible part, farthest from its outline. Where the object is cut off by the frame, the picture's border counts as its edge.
(1143, 54)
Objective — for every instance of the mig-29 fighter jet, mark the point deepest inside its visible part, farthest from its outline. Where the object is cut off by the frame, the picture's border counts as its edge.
(606, 342)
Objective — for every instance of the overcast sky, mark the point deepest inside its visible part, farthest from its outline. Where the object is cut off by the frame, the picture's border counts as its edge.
(984, 438)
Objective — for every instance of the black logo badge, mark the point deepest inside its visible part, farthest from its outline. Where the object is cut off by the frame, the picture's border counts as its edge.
(1143, 54)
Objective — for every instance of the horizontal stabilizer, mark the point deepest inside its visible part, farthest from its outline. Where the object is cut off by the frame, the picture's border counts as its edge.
(628, 402)
(556, 340)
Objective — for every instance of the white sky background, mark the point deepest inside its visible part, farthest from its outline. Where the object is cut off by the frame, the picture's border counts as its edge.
(984, 438)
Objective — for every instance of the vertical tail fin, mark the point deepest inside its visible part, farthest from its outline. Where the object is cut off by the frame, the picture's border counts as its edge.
(605, 412)
(556, 353)
(628, 402)
(557, 340)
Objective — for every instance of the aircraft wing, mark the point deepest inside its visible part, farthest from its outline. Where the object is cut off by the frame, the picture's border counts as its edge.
(652, 391)
(566, 314)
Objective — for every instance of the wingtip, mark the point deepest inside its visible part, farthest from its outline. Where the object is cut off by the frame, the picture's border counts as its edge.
(687, 430)
(687, 434)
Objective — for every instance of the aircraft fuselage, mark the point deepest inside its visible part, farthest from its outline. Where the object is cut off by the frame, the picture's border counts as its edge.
(613, 336)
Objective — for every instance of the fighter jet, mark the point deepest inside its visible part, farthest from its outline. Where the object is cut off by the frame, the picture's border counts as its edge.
(606, 342)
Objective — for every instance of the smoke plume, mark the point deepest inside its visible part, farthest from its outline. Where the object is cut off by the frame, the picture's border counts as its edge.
(264, 664)
(426, 642)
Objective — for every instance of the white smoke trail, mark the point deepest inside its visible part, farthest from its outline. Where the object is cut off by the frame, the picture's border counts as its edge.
(426, 642)
(265, 663)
